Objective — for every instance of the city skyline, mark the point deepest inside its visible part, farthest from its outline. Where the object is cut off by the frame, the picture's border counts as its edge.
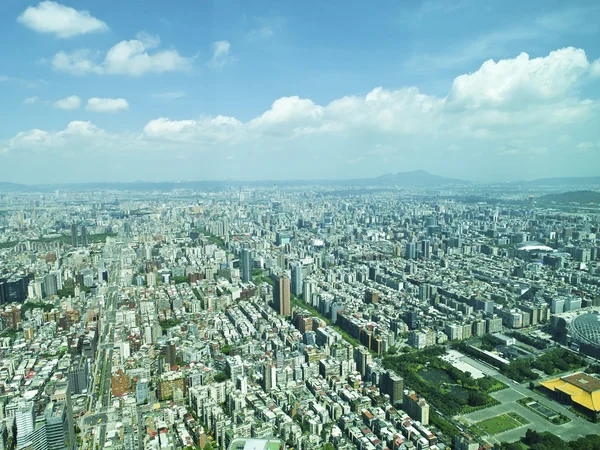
(217, 91)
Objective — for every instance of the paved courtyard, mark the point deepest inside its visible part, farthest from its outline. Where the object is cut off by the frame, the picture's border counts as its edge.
(576, 428)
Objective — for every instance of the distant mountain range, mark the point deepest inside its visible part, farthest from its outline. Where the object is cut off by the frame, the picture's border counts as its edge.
(416, 179)
(581, 197)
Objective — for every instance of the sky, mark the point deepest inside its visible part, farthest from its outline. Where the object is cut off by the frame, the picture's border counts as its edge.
(113, 90)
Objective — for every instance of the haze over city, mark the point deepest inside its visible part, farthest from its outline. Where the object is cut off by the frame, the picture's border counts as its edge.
(123, 91)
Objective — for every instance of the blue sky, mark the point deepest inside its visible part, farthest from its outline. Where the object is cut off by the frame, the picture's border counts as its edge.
(106, 90)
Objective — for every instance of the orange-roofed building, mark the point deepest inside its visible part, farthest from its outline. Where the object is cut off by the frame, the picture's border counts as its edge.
(580, 390)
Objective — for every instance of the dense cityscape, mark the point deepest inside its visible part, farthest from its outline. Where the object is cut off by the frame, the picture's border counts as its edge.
(299, 225)
(315, 317)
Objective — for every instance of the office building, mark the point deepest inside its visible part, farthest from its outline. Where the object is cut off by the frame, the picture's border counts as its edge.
(281, 295)
(141, 391)
(79, 375)
(411, 251)
(84, 236)
(57, 428)
(50, 284)
(25, 422)
(269, 376)
(392, 384)
(296, 281)
(246, 264)
(74, 234)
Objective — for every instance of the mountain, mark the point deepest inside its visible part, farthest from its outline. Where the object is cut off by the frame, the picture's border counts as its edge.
(564, 181)
(14, 187)
(415, 178)
(581, 197)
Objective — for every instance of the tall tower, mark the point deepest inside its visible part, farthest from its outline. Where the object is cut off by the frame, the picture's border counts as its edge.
(297, 279)
(25, 419)
(246, 265)
(269, 373)
(411, 251)
(74, 234)
(84, 236)
(281, 295)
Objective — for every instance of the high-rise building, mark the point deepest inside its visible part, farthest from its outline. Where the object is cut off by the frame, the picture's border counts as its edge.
(392, 384)
(50, 284)
(426, 249)
(62, 394)
(79, 375)
(362, 358)
(57, 428)
(141, 391)
(246, 265)
(269, 376)
(84, 236)
(25, 421)
(296, 283)
(281, 295)
(74, 234)
(308, 287)
(411, 251)
(171, 353)
(416, 407)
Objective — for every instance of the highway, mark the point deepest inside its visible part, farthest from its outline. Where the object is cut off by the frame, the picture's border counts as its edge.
(96, 417)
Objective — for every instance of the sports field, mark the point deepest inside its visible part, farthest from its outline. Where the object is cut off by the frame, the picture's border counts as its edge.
(502, 423)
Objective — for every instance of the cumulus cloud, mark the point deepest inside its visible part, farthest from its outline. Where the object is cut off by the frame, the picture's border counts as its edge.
(31, 100)
(518, 107)
(221, 55)
(109, 105)
(68, 103)
(132, 58)
(512, 81)
(62, 21)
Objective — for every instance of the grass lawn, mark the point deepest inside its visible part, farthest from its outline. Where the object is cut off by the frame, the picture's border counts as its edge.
(502, 423)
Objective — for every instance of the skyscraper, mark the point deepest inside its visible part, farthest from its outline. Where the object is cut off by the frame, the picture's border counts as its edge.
(74, 234)
(50, 284)
(25, 420)
(297, 279)
(246, 265)
(84, 236)
(411, 251)
(281, 295)
(426, 249)
(269, 373)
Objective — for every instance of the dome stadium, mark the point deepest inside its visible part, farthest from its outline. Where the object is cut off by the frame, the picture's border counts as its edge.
(585, 329)
(533, 246)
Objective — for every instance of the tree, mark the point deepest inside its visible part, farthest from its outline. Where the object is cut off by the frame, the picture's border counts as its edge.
(477, 399)
(220, 377)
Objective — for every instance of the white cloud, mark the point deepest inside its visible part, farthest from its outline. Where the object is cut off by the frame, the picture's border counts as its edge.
(512, 81)
(68, 103)
(595, 69)
(221, 55)
(27, 83)
(125, 58)
(62, 21)
(219, 129)
(96, 104)
(264, 32)
(515, 107)
(169, 95)
(31, 100)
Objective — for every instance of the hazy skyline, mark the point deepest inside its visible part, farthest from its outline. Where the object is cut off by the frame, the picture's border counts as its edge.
(121, 91)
